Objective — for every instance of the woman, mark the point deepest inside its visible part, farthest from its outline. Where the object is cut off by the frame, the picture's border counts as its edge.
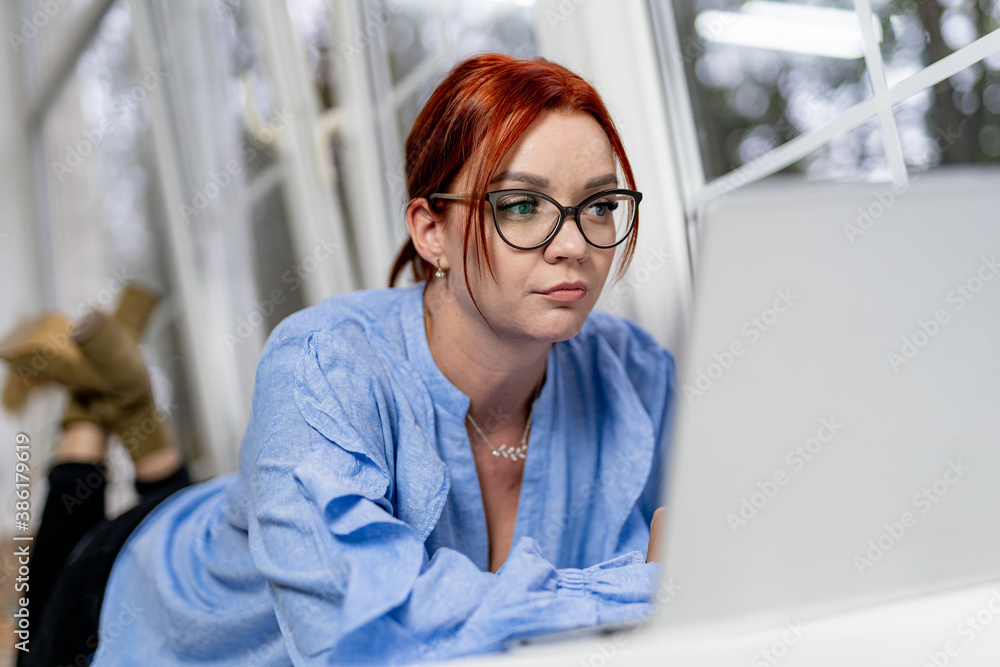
(432, 470)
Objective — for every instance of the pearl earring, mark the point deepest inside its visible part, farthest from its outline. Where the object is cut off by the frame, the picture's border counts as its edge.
(440, 273)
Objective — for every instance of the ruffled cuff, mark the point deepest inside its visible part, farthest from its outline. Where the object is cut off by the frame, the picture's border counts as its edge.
(624, 587)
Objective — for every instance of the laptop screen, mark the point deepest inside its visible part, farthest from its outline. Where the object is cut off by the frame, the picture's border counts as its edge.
(838, 434)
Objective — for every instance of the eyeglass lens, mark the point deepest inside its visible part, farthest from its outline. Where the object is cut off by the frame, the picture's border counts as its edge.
(526, 219)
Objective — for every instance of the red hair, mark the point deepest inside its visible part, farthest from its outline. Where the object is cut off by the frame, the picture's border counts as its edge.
(473, 118)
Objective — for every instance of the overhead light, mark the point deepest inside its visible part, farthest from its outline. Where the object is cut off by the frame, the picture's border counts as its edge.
(779, 26)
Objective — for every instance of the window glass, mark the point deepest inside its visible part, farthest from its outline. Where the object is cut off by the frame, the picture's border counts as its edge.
(762, 73)
(278, 273)
(958, 120)
(420, 42)
(444, 32)
(259, 124)
(311, 22)
(250, 96)
(918, 34)
(859, 151)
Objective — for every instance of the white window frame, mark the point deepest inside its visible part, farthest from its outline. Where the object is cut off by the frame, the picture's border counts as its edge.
(699, 193)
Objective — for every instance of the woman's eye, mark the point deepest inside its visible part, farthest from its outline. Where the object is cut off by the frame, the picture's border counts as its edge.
(524, 206)
(601, 208)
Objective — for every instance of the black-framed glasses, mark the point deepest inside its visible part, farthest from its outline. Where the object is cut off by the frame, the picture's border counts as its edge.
(526, 219)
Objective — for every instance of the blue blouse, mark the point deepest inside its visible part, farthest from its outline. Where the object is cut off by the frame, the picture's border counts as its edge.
(354, 533)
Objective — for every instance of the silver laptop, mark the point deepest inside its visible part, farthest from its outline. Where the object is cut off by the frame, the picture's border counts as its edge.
(837, 438)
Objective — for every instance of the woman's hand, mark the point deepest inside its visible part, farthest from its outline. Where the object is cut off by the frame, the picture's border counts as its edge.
(656, 528)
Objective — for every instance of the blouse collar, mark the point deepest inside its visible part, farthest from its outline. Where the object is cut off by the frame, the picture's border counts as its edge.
(446, 395)
(454, 445)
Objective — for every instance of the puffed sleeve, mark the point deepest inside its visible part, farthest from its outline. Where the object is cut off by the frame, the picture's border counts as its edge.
(351, 583)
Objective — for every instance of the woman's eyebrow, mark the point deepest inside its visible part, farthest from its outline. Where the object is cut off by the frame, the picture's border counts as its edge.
(521, 176)
(538, 181)
(607, 179)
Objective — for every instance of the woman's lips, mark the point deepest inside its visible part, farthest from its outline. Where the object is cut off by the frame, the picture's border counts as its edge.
(565, 294)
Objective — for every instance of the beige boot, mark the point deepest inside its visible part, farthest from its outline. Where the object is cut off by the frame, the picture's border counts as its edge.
(100, 362)
(133, 313)
(134, 309)
(127, 407)
(41, 351)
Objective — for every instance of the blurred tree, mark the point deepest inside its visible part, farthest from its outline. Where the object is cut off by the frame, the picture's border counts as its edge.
(959, 114)
(747, 101)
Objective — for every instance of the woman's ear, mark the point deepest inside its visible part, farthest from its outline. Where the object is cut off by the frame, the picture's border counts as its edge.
(426, 229)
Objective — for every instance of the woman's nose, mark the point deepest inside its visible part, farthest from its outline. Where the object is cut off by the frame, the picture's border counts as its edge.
(569, 241)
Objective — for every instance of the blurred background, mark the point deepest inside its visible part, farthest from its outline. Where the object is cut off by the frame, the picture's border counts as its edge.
(245, 157)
